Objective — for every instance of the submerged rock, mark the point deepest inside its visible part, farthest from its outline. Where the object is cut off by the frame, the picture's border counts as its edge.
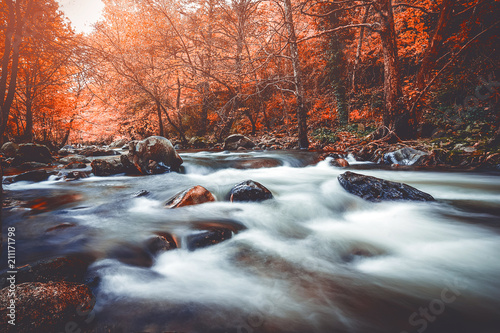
(339, 163)
(249, 191)
(405, 156)
(376, 189)
(152, 156)
(46, 307)
(235, 141)
(207, 238)
(194, 196)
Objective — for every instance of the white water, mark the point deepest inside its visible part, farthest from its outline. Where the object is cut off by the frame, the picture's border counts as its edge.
(314, 259)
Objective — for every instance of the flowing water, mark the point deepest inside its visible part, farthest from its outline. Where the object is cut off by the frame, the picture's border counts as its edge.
(313, 259)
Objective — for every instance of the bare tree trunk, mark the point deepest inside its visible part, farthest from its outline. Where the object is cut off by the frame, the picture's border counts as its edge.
(358, 50)
(297, 75)
(160, 121)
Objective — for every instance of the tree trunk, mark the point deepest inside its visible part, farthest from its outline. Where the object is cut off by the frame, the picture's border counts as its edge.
(432, 50)
(395, 115)
(160, 121)
(297, 75)
(358, 50)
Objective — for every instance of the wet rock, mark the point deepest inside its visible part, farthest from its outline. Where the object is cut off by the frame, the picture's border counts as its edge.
(376, 189)
(30, 152)
(194, 196)
(207, 238)
(66, 150)
(249, 191)
(118, 143)
(339, 163)
(74, 159)
(46, 307)
(96, 151)
(61, 226)
(9, 149)
(141, 193)
(162, 242)
(71, 268)
(197, 142)
(32, 165)
(152, 156)
(32, 176)
(405, 156)
(107, 167)
(235, 141)
(75, 165)
(75, 175)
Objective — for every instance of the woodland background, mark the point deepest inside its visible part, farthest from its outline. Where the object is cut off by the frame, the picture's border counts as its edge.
(204, 69)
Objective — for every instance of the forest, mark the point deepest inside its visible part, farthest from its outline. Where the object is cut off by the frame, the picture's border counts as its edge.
(199, 70)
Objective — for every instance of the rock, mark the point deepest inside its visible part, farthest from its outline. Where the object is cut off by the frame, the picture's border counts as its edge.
(249, 191)
(61, 226)
(405, 156)
(74, 159)
(32, 176)
(30, 152)
(376, 189)
(339, 163)
(197, 142)
(66, 150)
(96, 151)
(207, 238)
(32, 165)
(71, 268)
(194, 196)
(9, 149)
(75, 165)
(141, 193)
(46, 307)
(235, 141)
(118, 143)
(107, 167)
(152, 156)
(160, 243)
(75, 175)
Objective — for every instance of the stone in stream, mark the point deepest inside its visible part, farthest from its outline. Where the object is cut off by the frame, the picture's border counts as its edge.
(74, 159)
(152, 156)
(339, 163)
(193, 196)
(107, 167)
(405, 156)
(249, 191)
(32, 176)
(235, 141)
(118, 143)
(96, 151)
(376, 189)
(132, 255)
(9, 149)
(162, 242)
(45, 307)
(208, 237)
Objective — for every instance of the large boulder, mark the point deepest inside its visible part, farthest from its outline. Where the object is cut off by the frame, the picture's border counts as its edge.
(235, 141)
(9, 149)
(193, 196)
(249, 191)
(153, 155)
(376, 189)
(45, 307)
(30, 152)
(405, 156)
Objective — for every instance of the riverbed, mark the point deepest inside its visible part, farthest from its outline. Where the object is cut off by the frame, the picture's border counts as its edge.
(313, 259)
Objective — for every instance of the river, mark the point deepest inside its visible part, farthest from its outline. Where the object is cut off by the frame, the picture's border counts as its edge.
(313, 259)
